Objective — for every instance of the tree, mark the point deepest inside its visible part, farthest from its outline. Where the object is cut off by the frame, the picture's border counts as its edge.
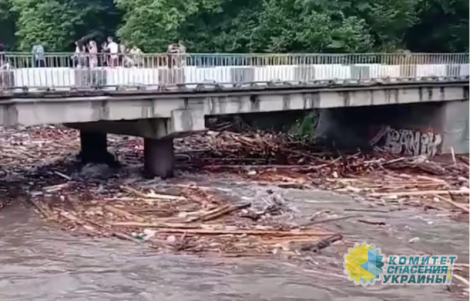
(442, 27)
(153, 24)
(50, 22)
(288, 26)
(387, 21)
(241, 26)
(228, 26)
(7, 25)
(58, 23)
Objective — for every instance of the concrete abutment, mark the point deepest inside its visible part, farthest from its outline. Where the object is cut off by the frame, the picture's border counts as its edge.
(408, 130)
(426, 128)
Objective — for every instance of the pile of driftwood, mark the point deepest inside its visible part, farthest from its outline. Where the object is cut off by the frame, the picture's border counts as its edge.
(36, 145)
(219, 148)
(275, 158)
(191, 221)
(404, 181)
(279, 159)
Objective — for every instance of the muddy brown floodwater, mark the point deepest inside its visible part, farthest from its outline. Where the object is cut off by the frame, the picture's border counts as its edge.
(39, 263)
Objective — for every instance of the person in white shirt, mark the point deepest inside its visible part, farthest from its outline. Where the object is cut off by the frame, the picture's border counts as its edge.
(113, 49)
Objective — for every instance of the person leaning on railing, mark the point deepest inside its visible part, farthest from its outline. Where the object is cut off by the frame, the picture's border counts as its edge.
(176, 55)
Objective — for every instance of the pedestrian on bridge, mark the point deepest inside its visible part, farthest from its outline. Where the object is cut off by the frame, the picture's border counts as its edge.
(113, 49)
(38, 55)
(93, 51)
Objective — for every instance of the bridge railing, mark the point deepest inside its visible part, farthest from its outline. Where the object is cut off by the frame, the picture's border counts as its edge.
(156, 60)
(67, 70)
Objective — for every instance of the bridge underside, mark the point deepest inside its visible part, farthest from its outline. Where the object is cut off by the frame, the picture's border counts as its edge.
(414, 129)
(185, 110)
(408, 130)
(416, 119)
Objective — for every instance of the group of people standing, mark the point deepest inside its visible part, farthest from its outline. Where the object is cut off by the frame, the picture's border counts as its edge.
(112, 54)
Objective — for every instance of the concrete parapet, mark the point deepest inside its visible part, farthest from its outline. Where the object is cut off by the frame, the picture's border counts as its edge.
(170, 76)
(90, 77)
(7, 79)
(62, 78)
(242, 75)
(360, 72)
(408, 71)
(304, 73)
(453, 70)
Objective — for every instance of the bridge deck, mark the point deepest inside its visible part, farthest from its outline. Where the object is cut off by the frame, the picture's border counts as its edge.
(207, 90)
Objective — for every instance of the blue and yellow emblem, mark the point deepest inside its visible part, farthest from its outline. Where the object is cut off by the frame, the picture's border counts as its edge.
(363, 264)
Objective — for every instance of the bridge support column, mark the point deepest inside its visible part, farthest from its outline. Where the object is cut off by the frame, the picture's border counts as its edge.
(94, 148)
(159, 158)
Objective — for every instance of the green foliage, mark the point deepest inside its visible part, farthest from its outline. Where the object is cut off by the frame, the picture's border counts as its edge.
(338, 26)
(304, 129)
(40, 21)
(153, 24)
(387, 21)
(7, 23)
(442, 26)
(58, 23)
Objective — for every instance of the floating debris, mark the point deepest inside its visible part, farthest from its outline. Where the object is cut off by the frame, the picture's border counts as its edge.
(192, 221)
(185, 218)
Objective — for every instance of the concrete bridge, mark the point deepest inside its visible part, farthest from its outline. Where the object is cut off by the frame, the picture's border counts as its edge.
(428, 94)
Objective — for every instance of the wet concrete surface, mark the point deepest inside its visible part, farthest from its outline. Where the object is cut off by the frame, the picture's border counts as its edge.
(40, 263)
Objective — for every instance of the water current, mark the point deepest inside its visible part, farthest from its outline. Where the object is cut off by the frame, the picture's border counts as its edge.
(43, 264)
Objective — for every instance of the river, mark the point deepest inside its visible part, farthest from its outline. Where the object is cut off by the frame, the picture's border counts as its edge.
(44, 264)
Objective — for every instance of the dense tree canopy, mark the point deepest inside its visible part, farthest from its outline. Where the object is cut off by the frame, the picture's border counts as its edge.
(241, 25)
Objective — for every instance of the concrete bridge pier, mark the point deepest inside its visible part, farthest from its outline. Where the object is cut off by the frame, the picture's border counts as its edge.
(159, 158)
(94, 148)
